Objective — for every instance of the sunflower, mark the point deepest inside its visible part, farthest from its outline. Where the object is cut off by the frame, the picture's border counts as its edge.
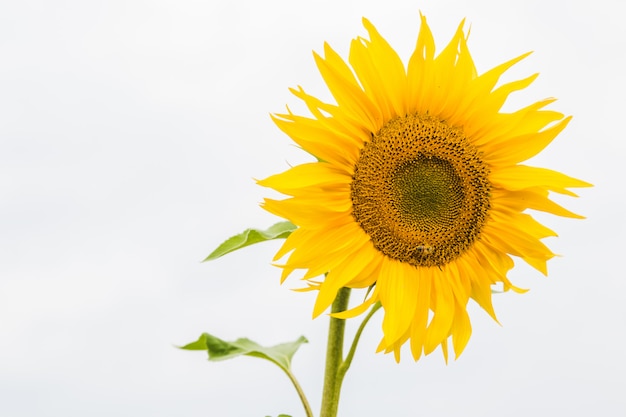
(417, 190)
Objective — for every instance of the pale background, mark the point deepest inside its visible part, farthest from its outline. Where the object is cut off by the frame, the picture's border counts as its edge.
(130, 134)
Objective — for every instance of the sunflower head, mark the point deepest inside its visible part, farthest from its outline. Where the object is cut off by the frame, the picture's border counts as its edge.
(418, 189)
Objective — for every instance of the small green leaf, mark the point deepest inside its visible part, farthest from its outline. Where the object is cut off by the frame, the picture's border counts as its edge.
(251, 236)
(220, 350)
(199, 344)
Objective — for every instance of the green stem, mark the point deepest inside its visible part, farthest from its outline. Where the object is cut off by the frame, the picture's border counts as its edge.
(334, 354)
(296, 384)
(343, 368)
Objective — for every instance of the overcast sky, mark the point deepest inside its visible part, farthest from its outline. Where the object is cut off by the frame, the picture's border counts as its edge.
(130, 135)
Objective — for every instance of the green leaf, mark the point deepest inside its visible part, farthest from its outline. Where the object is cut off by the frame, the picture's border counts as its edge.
(220, 350)
(251, 236)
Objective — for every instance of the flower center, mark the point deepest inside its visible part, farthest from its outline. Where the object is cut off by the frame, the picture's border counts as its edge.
(421, 191)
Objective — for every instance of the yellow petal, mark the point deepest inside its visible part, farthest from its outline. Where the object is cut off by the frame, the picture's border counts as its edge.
(398, 288)
(443, 309)
(520, 177)
(461, 330)
(521, 148)
(420, 322)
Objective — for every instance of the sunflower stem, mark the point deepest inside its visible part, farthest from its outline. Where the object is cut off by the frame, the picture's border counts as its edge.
(343, 368)
(334, 356)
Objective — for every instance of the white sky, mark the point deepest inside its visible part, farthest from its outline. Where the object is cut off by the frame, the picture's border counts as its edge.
(130, 134)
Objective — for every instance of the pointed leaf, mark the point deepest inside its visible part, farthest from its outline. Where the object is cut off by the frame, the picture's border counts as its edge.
(251, 236)
(199, 344)
(220, 350)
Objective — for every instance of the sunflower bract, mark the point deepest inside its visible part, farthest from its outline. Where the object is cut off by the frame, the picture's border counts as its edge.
(419, 188)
